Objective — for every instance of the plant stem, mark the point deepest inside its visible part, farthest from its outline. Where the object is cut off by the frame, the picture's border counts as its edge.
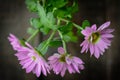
(75, 25)
(48, 41)
(63, 42)
(61, 36)
(32, 36)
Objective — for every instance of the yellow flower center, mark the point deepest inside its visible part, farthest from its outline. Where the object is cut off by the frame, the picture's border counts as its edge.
(94, 37)
(62, 58)
(34, 58)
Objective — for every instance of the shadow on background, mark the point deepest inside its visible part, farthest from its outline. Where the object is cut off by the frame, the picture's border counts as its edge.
(14, 18)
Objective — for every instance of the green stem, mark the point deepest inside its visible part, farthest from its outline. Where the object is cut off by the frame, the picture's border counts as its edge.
(32, 36)
(48, 41)
(63, 42)
(61, 36)
(43, 1)
(75, 25)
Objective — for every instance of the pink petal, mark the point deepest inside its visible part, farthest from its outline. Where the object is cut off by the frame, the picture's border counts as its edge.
(92, 49)
(97, 52)
(87, 31)
(85, 47)
(107, 31)
(21, 55)
(77, 60)
(103, 26)
(94, 27)
(37, 70)
(63, 70)
(27, 64)
(70, 69)
(75, 67)
(53, 57)
(81, 67)
(22, 62)
(43, 69)
(31, 67)
(61, 50)
(28, 45)
(99, 45)
(68, 60)
(107, 36)
(58, 68)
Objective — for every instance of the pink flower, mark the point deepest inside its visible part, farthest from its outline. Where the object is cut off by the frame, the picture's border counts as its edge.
(14, 42)
(62, 62)
(96, 40)
(29, 58)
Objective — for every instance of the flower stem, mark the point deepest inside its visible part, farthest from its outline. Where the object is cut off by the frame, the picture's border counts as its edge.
(63, 42)
(32, 36)
(75, 25)
(61, 36)
(48, 41)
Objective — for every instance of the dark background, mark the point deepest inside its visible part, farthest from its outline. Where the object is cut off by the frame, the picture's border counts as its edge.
(14, 18)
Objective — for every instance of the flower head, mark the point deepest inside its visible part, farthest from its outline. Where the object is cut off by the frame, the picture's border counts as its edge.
(62, 62)
(97, 40)
(29, 58)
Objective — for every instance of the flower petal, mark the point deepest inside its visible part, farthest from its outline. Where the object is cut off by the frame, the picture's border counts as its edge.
(61, 50)
(103, 26)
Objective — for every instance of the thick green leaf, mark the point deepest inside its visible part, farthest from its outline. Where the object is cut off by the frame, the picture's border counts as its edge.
(66, 28)
(50, 17)
(35, 22)
(79, 33)
(67, 11)
(45, 30)
(56, 43)
(70, 37)
(72, 9)
(41, 49)
(31, 5)
(57, 3)
(46, 19)
(85, 23)
(30, 30)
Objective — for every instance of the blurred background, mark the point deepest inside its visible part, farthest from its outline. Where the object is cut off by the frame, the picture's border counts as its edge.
(14, 18)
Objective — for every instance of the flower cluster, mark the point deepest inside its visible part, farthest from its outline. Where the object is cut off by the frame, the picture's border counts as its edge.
(53, 18)
(96, 41)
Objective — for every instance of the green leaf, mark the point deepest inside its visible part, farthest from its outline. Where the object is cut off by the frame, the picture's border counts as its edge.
(30, 30)
(35, 22)
(74, 8)
(31, 5)
(66, 28)
(85, 23)
(45, 30)
(60, 12)
(79, 33)
(50, 17)
(70, 37)
(41, 45)
(46, 19)
(67, 11)
(57, 3)
(55, 43)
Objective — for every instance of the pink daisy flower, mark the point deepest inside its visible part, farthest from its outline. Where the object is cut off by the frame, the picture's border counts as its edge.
(14, 42)
(97, 40)
(29, 58)
(62, 62)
